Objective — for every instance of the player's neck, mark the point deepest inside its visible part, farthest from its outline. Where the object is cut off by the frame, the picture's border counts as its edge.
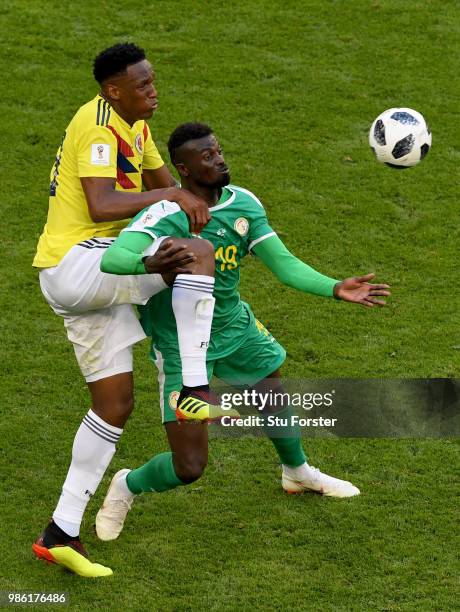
(211, 195)
(118, 110)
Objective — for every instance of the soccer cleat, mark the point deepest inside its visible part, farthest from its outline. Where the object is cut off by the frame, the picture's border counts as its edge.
(116, 505)
(72, 556)
(312, 479)
(197, 407)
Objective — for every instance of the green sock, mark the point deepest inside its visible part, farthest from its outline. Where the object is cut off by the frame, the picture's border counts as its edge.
(289, 451)
(287, 441)
(156, 475)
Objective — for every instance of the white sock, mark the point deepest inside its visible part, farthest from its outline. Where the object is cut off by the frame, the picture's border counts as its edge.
(193, 306)
(297, 473)
(93, 449)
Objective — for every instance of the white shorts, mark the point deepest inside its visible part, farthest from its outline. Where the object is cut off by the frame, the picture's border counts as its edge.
(96, 307)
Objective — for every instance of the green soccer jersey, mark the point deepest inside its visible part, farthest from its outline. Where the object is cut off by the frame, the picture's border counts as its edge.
(238, 223)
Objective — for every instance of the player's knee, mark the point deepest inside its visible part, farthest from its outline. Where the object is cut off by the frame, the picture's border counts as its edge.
(126, 406)
(68, 296)
(115, 412)
(204, 252)
(191, 469)
(206, 248)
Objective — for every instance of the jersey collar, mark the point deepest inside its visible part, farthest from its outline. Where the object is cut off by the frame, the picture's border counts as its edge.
(112, 110)
(226, 202)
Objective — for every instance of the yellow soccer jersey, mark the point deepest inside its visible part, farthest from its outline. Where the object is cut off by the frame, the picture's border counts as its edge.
(97, 143)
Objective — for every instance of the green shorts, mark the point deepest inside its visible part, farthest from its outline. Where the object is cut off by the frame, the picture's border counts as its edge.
(257, 357)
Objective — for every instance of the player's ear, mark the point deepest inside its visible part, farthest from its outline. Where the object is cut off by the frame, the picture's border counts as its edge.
(182, 169)
(111, 91)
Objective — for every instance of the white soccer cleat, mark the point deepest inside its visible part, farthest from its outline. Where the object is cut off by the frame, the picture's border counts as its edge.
(311, 479)
(116, 505)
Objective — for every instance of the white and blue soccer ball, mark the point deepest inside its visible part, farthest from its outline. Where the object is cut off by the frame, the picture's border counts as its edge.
(400, 137)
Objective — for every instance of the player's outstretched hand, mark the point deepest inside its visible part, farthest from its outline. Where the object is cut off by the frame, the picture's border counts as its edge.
(195, 208)
(170, 257)
(358, 289)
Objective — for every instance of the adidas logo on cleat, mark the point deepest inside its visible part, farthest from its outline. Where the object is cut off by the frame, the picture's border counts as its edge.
(192, 409)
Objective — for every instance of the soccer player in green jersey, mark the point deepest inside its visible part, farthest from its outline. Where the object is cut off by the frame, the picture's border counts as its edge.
(241, 351)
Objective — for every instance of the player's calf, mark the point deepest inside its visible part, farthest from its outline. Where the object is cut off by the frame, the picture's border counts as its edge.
(189, 446)
(190, 468)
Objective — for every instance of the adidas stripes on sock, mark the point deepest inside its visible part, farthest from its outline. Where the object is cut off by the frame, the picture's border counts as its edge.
(93, 449)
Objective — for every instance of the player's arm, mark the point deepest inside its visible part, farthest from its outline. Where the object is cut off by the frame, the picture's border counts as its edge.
(126, 256)
(157, 178)
(107, 204)
(96, 150)
(193, 207)
(293, 272)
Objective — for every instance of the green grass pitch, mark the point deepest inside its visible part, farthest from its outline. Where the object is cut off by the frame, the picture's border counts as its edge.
(291, 89)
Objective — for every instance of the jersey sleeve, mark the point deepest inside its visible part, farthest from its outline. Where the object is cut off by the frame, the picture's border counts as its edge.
(152, 158)
(161, 219)
(96, 152)
(259, 227)
(292, 271)
(125, 255)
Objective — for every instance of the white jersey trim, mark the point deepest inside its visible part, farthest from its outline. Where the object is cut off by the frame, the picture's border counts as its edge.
(234, 189)
(142, 230)
(254, 242)
(151, 216)
(224, 204)
(249, 193)
(159, 362)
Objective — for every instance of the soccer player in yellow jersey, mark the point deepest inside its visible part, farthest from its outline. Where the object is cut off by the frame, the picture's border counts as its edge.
(106, 155)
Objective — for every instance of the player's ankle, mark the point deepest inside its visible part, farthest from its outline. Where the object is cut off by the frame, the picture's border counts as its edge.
(55, 535)
(123, 487)
(186, 391)
(298, 471)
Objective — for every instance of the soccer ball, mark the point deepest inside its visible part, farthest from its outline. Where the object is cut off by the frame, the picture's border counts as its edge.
(400, 137)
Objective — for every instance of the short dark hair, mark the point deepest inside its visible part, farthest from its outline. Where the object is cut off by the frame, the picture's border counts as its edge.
(115, 60)
(183, 133)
